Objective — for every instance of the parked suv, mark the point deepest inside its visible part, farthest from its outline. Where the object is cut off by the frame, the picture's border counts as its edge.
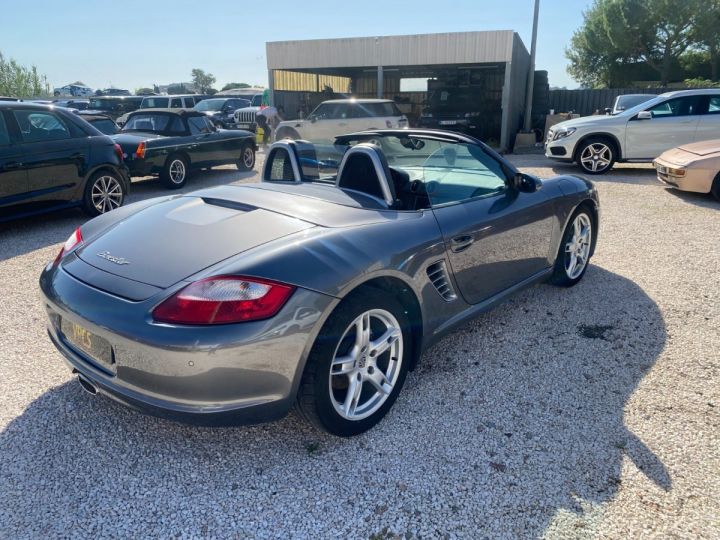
(337, 117)
(456, 109)
(50, 158)
(245, 117)
(639, 134)
(187, 101)
(115, 106)
(221, 111)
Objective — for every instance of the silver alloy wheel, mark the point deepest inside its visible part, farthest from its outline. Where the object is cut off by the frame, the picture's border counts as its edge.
(106, 194)
(577, 249)
(366, 364)
(596, 157)
(177, 171)
(248, 158)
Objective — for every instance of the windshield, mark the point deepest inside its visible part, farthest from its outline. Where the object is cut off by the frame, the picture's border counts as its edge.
(642, 106)
(101, 104)
(155, 103)
(210, 105)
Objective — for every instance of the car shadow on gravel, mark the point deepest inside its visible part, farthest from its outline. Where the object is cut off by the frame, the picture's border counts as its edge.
(508, 424)
(704, 200)
(25, 235)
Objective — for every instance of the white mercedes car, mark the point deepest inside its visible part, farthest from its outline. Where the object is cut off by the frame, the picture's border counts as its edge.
(336, 117)
(639, 134)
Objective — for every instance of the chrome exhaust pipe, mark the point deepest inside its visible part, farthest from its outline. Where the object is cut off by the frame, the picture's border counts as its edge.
(89, 387)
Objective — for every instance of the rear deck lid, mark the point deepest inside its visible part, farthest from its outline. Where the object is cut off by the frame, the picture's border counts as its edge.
(172, 240)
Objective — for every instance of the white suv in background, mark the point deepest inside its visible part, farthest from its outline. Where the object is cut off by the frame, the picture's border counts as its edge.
(340, 116)
(639, 134)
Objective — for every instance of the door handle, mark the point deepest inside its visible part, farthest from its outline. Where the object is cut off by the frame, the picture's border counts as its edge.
(78, 155)
(11, 165)
(461, 243)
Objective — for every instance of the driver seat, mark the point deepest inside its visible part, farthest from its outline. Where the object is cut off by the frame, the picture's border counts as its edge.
(364, 169)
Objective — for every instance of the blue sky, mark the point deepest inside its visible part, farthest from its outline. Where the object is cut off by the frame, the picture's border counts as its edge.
(132, 43)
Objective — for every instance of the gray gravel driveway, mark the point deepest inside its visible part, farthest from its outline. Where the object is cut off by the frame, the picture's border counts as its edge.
(584, 413)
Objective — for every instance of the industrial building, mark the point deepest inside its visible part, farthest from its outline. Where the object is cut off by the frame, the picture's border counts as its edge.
(493, 65)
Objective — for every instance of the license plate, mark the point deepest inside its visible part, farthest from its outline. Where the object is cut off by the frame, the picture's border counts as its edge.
(243, 126)
(96, 348)
(448, 122)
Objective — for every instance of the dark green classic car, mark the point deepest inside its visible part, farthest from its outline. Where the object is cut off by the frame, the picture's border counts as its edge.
(174, 142)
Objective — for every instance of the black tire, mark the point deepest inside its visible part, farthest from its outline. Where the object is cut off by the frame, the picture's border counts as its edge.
(315, 402)
(287, 133)
(715, 189)
(561, 275)
(104, 191)
(247, 158)
(596, 155)
(170, 175)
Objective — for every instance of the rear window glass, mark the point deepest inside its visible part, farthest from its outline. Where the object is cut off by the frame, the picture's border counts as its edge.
(155, 103)
(377, 109)
(148, 122)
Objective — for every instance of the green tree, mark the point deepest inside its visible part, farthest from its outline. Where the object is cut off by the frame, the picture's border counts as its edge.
(707, 35)
(145, 91)
(20, 81)
(202, 81)
(235, 85)
(177, 88)
(656, 32)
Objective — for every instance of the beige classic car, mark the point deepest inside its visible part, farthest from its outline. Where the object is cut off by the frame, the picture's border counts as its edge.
(692, 167)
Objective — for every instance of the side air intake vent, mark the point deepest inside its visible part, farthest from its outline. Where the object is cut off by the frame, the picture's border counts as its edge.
(438, 275)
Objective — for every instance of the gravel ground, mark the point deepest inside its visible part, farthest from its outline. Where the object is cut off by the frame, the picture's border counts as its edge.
(582, 413)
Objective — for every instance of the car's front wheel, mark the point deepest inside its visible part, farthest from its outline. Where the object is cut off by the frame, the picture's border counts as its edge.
(575, 250)
(247, 159)
(596, 156)
(175, 172)
(357, 365)
(104, 191)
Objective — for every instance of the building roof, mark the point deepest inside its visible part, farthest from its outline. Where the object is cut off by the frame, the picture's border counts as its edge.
(409, 50)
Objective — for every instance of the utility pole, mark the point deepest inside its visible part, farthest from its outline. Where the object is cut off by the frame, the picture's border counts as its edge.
(531, 72)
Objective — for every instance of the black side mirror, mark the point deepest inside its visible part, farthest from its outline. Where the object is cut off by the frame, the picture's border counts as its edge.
(525, 183)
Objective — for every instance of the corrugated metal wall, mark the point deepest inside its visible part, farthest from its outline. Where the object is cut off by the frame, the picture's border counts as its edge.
(422, 49)
(586, 101)
(295, 81)
(513, 103)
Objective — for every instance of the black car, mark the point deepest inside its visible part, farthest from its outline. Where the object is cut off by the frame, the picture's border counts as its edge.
(101, 122)
(114, 106)
(51, 158)
(173, 142)
(77, 104)
(222, 110)
(456, 109)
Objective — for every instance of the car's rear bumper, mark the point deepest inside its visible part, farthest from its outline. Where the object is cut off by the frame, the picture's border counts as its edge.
(229, 374)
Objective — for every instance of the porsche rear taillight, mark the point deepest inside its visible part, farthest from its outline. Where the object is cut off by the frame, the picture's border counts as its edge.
(71, 243)
(140, 151)
(224, 300)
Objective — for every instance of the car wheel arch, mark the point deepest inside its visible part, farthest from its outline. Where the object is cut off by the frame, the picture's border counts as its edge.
(107, 168)
(601, 135)
(404, 293)
(591, 206)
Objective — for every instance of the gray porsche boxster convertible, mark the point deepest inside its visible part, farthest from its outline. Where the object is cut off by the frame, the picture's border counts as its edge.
(319, 286)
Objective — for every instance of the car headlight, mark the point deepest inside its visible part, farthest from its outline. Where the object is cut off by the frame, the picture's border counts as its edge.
(561, 134)
(472, 114)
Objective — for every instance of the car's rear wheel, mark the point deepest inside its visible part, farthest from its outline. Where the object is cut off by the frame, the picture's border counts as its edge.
(104, 191)
(175, 172)
(575, 250)
(357, 365)
(596, 156)
(247, 159)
